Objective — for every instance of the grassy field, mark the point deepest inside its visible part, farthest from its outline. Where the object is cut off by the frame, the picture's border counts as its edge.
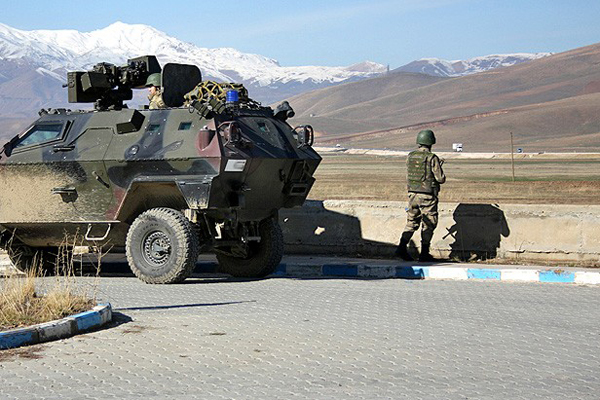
(564, 180)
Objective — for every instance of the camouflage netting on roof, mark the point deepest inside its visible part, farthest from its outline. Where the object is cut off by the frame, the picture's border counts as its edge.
(207, 89)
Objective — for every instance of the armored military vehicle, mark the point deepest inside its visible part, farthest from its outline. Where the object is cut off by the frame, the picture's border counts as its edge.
(207, 173)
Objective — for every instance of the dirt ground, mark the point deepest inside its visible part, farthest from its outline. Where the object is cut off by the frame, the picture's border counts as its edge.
(562, 180)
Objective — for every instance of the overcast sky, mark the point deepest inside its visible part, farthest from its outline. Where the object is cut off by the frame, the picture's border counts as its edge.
(337, 32)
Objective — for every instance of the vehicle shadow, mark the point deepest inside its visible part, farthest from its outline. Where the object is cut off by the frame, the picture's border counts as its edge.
(313, 229)
(206, 273)
(176, 306)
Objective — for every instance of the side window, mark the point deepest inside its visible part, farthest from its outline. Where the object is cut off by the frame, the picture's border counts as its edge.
(40, 133)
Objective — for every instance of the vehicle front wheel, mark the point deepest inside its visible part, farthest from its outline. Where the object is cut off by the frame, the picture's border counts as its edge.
(162, 246)
(263, 257)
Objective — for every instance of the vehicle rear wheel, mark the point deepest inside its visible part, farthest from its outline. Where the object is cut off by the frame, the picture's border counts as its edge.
(26, 258)
(263, 258)
(162, 246)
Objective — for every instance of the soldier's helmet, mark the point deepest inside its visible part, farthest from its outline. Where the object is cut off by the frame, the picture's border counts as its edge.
(426, 137)
(154, 80)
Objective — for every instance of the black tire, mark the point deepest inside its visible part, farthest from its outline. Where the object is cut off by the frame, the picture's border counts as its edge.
(264, 258)
(26, 258)
(162, 246)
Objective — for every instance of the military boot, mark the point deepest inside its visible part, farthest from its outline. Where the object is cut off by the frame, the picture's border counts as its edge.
(402, 251)
(425, 255)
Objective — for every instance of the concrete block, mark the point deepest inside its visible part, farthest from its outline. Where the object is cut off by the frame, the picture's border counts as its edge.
(483, 273)
(590, 278)
(543, 234)
(340, 270)
(376, 271)
(519, 275)
(448, 273)
(590, 229)
(465, 231)
(303, 270)
(557, 276)
(55, 330)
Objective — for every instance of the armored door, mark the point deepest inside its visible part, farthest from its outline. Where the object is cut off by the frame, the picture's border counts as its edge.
(55, 174)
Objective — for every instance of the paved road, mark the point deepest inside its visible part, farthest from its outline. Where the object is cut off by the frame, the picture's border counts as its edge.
(283, 338)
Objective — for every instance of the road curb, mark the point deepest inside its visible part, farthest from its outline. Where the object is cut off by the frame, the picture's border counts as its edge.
(440, 272)
(424, 271)
(7, 269)
(59, 329)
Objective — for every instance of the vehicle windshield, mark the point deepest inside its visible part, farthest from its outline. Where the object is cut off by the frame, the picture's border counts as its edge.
(264, 131)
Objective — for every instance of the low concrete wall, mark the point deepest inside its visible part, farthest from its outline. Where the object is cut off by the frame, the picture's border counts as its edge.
(465, 231)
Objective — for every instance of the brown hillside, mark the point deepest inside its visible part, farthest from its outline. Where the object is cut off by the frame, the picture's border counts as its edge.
(328, 100)
(534, 83)
(30, 91)
(571, 124)
(10, 127)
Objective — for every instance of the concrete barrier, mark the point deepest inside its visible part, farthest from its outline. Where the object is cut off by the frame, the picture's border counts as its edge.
(465, 231)
(569, 234)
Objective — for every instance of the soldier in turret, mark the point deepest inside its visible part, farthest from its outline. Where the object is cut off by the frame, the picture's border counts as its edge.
(155, 92)
(425, 175)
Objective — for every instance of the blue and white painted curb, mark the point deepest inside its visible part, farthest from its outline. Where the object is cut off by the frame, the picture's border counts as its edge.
(59, 329)
(440, 272)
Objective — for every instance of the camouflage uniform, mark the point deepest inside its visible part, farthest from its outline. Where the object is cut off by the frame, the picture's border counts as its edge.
(425, 175)
(156, 101)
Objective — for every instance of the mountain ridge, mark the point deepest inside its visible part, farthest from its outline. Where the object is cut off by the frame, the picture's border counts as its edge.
(446, 68)
(546, 98)
(33, 66)
(74, 50)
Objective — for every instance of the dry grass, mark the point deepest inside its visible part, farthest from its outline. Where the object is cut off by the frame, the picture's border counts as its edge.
(28, 300)
(383, 178)
(22, 305)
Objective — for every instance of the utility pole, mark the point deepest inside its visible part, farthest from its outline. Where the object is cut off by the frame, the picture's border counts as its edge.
(512, 156)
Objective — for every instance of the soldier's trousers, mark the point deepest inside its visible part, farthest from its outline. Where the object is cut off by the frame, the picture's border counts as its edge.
(422, 209)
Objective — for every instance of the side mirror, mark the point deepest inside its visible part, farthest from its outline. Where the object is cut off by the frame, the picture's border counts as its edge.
(305, 135)
(4, 150)
(230, 132)
(9, 146)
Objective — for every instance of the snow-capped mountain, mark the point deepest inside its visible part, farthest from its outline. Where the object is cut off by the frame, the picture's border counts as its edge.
(33, 66)
(445, 68)
(60, 50)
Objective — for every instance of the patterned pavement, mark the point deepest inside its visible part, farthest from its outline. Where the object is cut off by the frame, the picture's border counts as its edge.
(322, 338)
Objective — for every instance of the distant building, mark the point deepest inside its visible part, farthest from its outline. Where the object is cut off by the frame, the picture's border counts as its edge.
(458, 147)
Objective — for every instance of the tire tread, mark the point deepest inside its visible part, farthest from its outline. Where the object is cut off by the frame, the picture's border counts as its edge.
(185, 235)
(262, 264)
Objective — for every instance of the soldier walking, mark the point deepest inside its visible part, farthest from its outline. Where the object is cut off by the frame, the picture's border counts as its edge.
(425, 175)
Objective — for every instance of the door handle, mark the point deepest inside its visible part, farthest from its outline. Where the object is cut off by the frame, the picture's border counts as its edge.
(99, 179)
(64, 191)
(61, 148)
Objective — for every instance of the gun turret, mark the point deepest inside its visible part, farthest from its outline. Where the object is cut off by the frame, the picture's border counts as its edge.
(107, 85)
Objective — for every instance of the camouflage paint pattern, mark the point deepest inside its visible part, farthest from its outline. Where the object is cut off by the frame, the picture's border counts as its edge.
(424, 175)
(156, 101)
(106, 167)
(424, 171)
(422, 209)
